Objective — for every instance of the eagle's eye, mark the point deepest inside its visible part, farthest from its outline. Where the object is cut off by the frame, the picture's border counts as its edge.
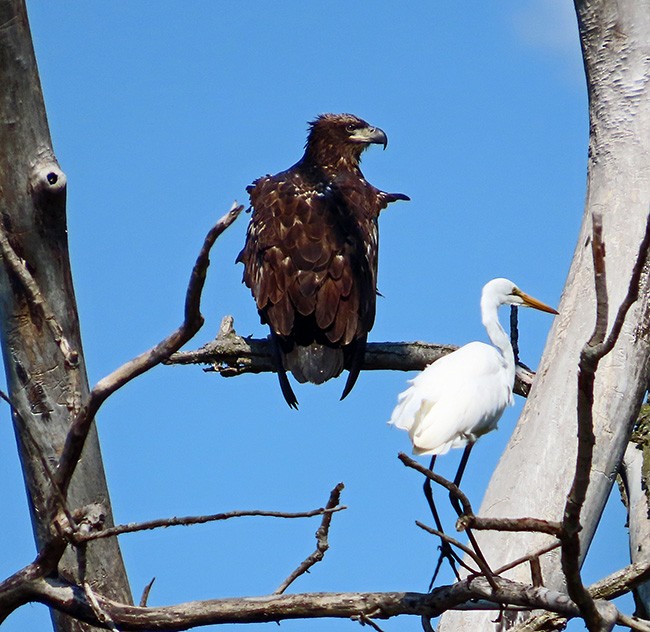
(350, 128)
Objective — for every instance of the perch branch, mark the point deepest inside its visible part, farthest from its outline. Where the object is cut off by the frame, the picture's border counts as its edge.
(230, 354)
(322, 543)
(111, 383)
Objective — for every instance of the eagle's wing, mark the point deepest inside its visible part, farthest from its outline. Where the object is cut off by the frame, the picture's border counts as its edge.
(311, 258)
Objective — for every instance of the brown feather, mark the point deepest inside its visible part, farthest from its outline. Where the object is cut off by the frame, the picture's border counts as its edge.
(310, 257)
(327, 304)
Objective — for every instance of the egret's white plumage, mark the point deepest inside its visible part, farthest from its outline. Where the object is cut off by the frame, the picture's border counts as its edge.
(462, 396)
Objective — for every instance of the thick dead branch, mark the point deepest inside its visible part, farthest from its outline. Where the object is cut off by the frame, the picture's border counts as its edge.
(274, 608)
(230, 354)
(322, 543)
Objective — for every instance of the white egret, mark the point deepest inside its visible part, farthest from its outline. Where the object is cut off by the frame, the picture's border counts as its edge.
(462, 396)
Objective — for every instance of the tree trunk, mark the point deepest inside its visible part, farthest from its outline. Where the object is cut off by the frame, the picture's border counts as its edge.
(636, 478)
(39, 323)
(536, 470)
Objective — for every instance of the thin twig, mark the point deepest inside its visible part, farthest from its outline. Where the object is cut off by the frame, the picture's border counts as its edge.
(480, 562)
(514, 331)
(145, 593)
(364, 619)
(454, 490)
(108, 385)
(133, 527)
(526, 558)
(322, 543)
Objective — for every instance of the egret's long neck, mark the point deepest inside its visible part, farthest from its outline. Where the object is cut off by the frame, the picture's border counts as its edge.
(497, 335)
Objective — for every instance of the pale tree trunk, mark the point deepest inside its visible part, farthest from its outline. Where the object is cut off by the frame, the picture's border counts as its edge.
(636, 478)
(39, 325)
(536, 470)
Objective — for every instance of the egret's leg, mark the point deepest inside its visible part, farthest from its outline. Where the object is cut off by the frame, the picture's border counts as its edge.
(456, 503)
(445, 548)
(459, 476)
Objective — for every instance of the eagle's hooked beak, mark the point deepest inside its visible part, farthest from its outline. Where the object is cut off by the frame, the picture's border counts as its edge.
(370, 135)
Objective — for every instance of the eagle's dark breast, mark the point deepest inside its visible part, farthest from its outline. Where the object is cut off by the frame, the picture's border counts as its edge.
(311, 256)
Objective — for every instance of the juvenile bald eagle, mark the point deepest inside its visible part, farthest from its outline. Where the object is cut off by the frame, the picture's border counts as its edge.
(310, 257)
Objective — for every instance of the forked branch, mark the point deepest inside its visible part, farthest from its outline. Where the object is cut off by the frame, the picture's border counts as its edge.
(599, 345)
(322, 542)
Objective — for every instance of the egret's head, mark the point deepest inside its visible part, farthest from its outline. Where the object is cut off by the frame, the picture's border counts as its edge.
(505, 292)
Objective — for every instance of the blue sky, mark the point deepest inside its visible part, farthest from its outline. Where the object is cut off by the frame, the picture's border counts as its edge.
(160, 117)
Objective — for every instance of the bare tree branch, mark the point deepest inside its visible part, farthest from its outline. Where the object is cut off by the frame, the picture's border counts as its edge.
(470, 520)
(274, 608)
(454, 490)
(36, 299)
(527, 558)
(593, 351)
(535, 525)
(111, 383)
(230, 355)
(610, 587)
(322, 543)
(465, 549)
(133, 527)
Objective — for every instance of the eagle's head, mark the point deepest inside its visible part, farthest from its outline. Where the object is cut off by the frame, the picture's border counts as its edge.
(337, 140)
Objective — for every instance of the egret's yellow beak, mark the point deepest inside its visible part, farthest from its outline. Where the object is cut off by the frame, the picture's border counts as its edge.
(529, 301)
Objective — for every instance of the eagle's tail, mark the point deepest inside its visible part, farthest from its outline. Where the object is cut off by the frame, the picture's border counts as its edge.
(287, 391)
(356, 355)
(315, 363)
